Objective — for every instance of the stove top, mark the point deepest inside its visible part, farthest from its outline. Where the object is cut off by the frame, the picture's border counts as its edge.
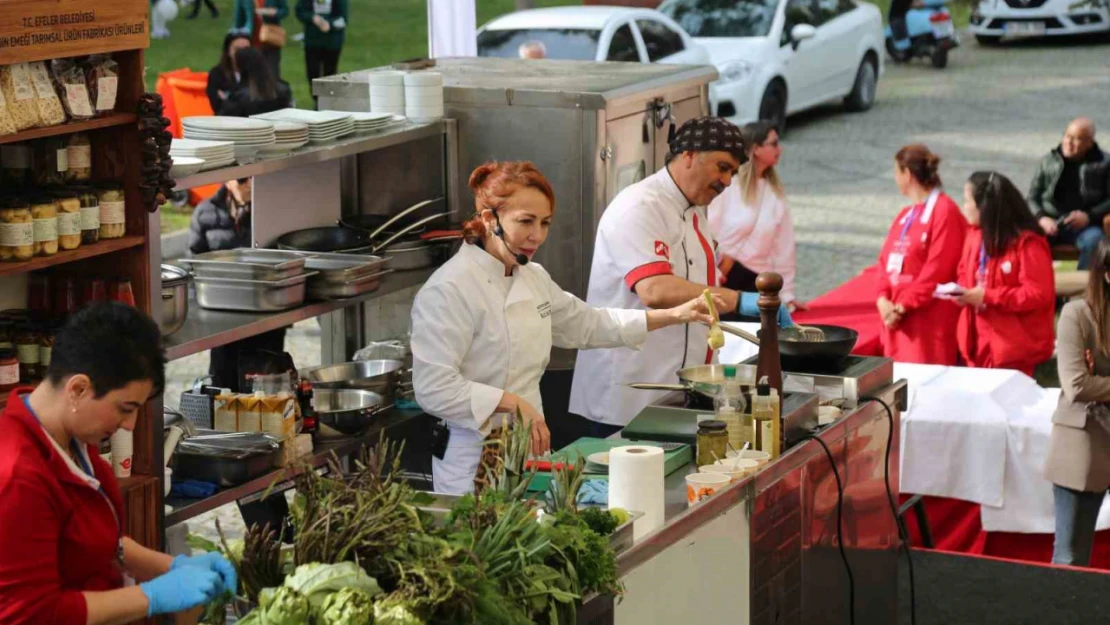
(848, 380)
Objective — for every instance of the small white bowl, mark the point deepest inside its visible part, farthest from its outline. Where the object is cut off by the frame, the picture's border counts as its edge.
(423, 78)
(184, 166)
(760, 457)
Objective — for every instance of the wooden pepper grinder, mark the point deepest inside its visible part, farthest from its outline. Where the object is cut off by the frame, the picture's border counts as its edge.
(769, 284)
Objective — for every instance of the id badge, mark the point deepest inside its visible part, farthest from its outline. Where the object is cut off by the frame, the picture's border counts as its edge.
(894, 263)
(321, 7)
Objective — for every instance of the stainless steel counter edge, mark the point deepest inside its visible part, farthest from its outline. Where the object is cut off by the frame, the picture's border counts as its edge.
(320, 456)
(745, 491)
(309, 154)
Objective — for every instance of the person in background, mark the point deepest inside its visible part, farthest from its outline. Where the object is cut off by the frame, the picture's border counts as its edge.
(1008, 309)
(325, 24)
(223, 79)
(1071, 207)
(64, 555)
(532, 50)
(751, 221)
(1078, 462)
(921, 251)
(196, 9)
(223, 221)
(258, 91)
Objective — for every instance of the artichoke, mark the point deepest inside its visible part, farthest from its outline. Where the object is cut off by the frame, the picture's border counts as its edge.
(395, 614)
(319, 581)
(285, 606)
(349, 606)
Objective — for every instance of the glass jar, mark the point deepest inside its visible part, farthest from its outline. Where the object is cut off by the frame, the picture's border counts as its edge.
(9, 369)
(122, 293)
(712, 442)
(49, 162)
(6, 328)
(95, 291)
(79, 156)
(69, 219)
(44, 212)
(15, 164)
(27, 351)
(39, 295)
(113, 213)
(66, 298)
(17, 230)
(46, 347)
(90, 214)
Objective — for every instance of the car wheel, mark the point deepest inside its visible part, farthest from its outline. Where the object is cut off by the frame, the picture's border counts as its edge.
(987, 40)
(773, 106)
(863, 91)
(940, 58)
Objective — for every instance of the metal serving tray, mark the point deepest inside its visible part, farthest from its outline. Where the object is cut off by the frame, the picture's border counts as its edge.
(251, 295)
(343, 267)
(247, 264)
(322, 289)
(226, 459)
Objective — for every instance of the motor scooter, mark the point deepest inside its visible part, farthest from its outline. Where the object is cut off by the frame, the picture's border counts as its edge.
(920, 28)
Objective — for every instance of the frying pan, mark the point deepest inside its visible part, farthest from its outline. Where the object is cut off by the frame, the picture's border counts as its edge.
(798, 353)
(705, 380)
(378, 225)
(342, 239)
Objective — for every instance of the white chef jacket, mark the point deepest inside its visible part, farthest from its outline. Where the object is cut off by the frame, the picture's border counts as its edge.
(477, 333)
(649, 229)
(760, 236)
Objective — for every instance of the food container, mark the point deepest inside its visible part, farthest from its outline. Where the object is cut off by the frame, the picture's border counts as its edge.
(323, 290)
(113, 213)
(46, 345)
(342, 268)
(69, 219)
(19, 96)
(49, 162)
(226, 459)
(247, 264)
(79, 157)
(251, 295)
(6, 330)
(175, 298)
(27, 351)
(9, 369)
(17, 230)
(90, 214)
(44, 213)
(51, 112)
(15, 161)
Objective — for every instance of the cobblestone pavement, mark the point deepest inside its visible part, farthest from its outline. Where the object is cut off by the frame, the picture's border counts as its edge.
(991, 108)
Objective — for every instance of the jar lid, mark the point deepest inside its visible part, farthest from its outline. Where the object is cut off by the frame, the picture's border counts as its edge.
(713, 425)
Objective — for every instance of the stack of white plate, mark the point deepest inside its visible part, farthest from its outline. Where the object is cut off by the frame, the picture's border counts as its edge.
(323, 126)
(248, 135)
(369, 122)
(387, 92)
(215, 153)
(289, 136)
(423, 96)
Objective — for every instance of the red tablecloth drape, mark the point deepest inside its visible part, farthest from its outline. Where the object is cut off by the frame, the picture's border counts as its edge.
(851, 305)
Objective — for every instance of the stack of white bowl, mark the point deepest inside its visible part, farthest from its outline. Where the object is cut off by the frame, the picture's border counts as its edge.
(423, 96)
(387, 92)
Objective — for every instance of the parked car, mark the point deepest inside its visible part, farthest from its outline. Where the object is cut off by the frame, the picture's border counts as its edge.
(994, 20)
(591, 33)
(779, 57)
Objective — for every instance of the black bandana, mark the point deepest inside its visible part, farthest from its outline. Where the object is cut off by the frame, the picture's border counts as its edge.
(709, 134)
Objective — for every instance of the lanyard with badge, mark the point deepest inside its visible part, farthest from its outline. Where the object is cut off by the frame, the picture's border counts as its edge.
(984, 258)
(321, 7)
(897, 257)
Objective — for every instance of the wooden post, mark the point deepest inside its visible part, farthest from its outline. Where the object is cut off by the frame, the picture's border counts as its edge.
(769, 284)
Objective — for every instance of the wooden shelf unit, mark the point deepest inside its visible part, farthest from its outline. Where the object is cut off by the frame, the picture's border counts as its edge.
(108, 121)
(84, 252)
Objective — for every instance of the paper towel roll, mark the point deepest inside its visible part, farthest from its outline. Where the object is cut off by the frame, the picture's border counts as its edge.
(636, 483)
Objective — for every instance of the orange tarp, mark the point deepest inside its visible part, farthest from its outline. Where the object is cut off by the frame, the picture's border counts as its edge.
(183, 95)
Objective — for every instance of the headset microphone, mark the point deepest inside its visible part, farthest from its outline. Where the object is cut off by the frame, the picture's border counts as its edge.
(521, 259)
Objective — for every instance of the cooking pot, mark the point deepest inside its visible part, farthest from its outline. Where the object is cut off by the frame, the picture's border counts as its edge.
(175, 298)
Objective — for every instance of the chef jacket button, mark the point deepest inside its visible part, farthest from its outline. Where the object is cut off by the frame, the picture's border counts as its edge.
(691, 263)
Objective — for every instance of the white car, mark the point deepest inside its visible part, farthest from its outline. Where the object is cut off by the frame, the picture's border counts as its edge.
(779, 57)
(993, 20)
(590, 33)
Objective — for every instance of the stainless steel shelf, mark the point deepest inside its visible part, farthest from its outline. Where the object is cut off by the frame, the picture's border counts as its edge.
(185, 509)
(205, 329)
(309, 154)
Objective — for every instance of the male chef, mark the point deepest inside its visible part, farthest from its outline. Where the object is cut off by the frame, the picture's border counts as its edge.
(654, 249)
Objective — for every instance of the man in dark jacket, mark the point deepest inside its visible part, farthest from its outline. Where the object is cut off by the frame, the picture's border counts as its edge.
(1068, 193)
(222, 222)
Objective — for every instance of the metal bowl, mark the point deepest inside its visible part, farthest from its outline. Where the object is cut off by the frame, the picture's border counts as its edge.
(379, 376)
(347, 411)
(175, 298)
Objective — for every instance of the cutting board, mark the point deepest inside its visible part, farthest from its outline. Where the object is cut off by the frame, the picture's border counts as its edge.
(672, 460)
(657, 423)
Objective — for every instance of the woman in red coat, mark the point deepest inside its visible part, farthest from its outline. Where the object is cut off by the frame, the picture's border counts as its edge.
(921, 251)
(1009, 307)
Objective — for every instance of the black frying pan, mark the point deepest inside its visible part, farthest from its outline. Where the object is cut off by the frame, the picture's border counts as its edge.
(326, 239)
(799, 354)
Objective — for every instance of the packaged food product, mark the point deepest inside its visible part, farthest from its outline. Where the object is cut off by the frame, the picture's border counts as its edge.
(113, 213)
(19, 95)
(225, 417)
(79, 158)
(46, 346)
(17, 231)
(69, 79)
(27, 351)
(69, 219)
(102, 75)
(9, 369)
(49, 162)
(6, 329)
(44, 213)
(90, 214)
(15, 164)
(50, 108)
(7, 124)
(250, 413)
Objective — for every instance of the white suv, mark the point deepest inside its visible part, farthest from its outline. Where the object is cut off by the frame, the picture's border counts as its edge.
(994, 20)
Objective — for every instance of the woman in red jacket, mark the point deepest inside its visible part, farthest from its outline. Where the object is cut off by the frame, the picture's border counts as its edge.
(921, 251)
(64, 559)
(1009, 306)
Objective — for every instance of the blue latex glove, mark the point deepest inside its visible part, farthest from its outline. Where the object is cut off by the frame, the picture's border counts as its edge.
(594, 492)
(182, 588)
(749, 307)
(211, 561)
(193, 489)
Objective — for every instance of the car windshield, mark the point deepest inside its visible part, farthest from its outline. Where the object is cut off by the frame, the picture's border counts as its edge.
(722, 18)
(563, 43)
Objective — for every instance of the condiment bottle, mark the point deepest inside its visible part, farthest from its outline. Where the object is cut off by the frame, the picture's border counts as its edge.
(712, 442)
(730, 405)
(765, 413)
(95, 291)
(121, 292)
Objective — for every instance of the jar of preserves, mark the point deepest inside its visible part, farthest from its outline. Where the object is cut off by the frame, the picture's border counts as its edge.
(15, 164)
(79, 156)
(90, 214)
(712, 442)
(69, 219)
(113, 213)
(49, 161)
(27, 351)
(17, 230)
(44, 213)
(9, 369)
(46, 347)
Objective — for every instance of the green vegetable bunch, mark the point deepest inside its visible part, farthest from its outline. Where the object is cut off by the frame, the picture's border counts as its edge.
(350, 606)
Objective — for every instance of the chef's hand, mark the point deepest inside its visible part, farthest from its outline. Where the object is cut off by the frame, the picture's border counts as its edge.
(211, 561)
(1048, 224)
(971, 297)
(748, 305)
(182, 588)
(1077, 220)
(696, 311)
(541, 436)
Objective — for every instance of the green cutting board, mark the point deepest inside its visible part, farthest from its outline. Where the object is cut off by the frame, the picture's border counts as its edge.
(672, 460)
(656, 423)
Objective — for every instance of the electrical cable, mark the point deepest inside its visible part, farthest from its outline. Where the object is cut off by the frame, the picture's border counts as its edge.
(903, 534)
(840, 528)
